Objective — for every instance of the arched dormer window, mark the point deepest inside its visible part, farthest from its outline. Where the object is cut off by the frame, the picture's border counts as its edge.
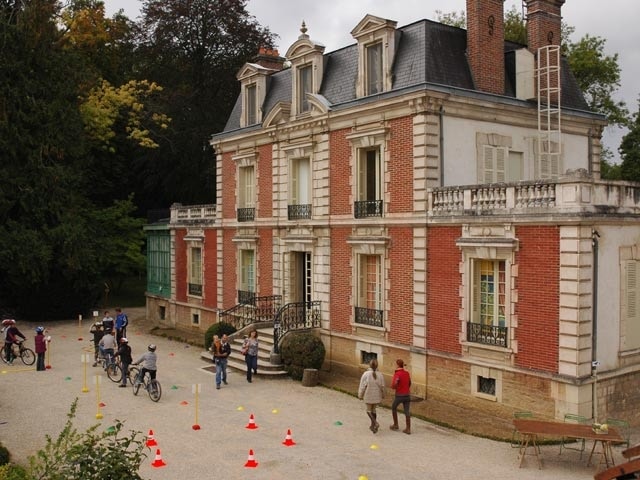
(306, 57)
(376, 39)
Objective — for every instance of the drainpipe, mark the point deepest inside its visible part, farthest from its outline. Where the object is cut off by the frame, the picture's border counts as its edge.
(594, 326)
(441, 118)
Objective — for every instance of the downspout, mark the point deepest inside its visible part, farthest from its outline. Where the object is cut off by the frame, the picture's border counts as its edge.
(594, 326)
(441, 118)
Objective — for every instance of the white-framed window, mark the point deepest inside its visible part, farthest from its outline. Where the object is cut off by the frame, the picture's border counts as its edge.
(369, 305)
(305, 85)
(195, 271)
(487, 284)
(299, 188)
(489, 292)
(374, 70)
(369, 183)
(247, 274)
(246, 186)
(251, 104)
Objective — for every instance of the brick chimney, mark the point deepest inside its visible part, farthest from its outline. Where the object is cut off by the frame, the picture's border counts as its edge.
(485, 44)
(269, 58)
(543, 23)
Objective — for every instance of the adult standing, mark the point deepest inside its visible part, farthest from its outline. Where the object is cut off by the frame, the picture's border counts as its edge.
(371, 390)
(107, 322)
(401, 383)
(124, 353)
(250, 351)
(220, 358)
(41, 348)
(121, 324)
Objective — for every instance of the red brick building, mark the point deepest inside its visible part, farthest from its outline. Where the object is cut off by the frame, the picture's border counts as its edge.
(437, 193)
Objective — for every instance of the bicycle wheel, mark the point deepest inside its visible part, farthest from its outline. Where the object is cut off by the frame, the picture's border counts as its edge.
(27, 356)
(137, 384)
(154, 389)
(114, 372)
(133, 373)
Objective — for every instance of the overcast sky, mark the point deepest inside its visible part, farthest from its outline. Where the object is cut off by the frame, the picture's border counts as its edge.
(330, 21)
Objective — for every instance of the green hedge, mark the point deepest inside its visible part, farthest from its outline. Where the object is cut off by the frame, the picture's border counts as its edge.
(220, 328)
(300, 351)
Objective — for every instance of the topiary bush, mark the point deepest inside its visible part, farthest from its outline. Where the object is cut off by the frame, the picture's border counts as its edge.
(220, 328)
(300, 351)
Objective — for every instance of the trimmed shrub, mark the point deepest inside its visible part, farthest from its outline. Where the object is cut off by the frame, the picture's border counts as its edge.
(300, 351)
(13, 472)
(220, 328)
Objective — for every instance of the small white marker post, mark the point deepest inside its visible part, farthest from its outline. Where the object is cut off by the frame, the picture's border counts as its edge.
(195, 389)
(97, 379)
(84, 358)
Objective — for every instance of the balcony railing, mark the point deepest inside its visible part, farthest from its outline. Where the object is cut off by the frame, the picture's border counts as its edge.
(299, 212)
(195, 289)
(369, 316)
(487, 334)
(246, 214)
(193, 214)
(572, 194)
(367, 208)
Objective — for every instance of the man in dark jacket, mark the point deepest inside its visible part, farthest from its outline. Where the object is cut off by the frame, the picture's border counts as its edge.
(220, 357)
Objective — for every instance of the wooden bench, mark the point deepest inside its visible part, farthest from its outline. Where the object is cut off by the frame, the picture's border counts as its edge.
(624, 470)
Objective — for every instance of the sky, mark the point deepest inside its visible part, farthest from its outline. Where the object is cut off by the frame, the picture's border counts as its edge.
(330, 22)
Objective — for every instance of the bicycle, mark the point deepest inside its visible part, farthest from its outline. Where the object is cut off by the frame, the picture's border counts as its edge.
(152, 387)
(25, 354)
(114, 372)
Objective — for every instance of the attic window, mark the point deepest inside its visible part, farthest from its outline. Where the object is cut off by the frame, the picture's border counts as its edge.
(251, 103)
(374, 68)
(305, 85)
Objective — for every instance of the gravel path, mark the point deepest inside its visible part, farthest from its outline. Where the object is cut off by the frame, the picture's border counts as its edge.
(330, 429)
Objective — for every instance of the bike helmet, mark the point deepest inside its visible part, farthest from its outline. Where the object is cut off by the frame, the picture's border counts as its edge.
(39, 329)
(151, 348)
(124, 340)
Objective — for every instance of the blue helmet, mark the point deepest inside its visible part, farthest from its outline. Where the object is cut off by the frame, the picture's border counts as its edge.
(39, 329)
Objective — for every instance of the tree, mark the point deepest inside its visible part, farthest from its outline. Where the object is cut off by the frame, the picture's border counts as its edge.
(194, 49)
(630, 150)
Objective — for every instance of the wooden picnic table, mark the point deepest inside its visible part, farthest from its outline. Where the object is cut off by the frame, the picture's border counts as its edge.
(531, 429)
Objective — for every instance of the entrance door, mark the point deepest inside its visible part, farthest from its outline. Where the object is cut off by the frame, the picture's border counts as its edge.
(300, 277)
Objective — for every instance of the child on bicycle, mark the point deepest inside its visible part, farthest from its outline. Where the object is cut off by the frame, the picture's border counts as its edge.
(11, 339)
(149, 363)
(107, 345)
(124, 352)
(98, 332)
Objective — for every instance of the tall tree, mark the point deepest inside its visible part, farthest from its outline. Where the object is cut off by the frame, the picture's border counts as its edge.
(630, 150)
(193, 48)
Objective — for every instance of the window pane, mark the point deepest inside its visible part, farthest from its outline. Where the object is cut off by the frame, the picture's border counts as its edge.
(374, 69)
(304, 87)
(491, 280)
(251, 107)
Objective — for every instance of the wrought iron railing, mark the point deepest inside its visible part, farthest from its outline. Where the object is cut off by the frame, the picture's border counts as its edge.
(246, 297)
(367, 208)
(295, 316)
(246, 214)
(262, 310)
(299, 212)
(195, 289)
(369, 316)
(487, 334)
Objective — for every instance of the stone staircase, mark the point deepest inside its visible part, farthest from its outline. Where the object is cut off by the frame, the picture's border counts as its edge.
(265, 346)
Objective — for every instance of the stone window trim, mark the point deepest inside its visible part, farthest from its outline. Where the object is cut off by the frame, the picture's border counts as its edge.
(488, 373)
(629, 261)
(488, 243)
(252, 75)
(367, 245)
(305, 53)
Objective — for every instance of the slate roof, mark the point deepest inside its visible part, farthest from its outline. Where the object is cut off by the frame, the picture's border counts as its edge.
(427, 53)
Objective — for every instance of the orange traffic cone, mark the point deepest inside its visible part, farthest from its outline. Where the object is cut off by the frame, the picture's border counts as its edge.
(288, 441)
(151, 442)
(251, 463)
(252, 423)
(158, 462)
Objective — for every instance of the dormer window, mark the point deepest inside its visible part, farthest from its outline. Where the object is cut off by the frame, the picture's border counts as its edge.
(376, 50)
(374, 68)
(307, 65)
(305, 85)
(251, 103)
